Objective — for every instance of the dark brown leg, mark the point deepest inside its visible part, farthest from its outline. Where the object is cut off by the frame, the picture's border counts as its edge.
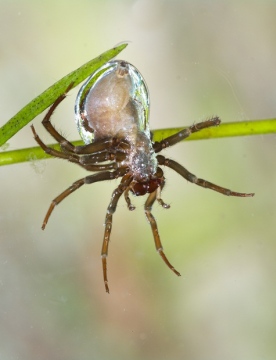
(56, 153)
(117, 193)
(200, 182)
(127, 199)
(76, 185)
(181, 135)
(158, 198)
(94, 147)
(95, 158)
(158, 245)
(85, 163)
(65, 144)
(49, 127)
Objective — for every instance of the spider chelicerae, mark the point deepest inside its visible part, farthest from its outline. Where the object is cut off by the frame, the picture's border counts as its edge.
(112, 110)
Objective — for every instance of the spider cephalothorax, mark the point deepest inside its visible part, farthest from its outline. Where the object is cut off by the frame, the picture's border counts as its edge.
(112, 110)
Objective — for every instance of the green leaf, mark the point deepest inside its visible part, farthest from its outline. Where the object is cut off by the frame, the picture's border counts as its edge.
(44, 100)
(224, 130)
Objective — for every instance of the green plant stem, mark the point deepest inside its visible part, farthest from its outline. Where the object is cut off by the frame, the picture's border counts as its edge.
(239, 128)
(224, 130)
(44, 100)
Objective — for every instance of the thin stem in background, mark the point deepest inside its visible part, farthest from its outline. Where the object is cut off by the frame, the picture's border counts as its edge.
(242, 128)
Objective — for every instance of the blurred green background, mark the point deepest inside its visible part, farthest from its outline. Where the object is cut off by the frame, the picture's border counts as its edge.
(199, 58)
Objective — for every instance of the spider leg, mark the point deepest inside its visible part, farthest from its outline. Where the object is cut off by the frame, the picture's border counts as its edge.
(56, 153)
(158, 245)
(127, 199)
(95, 158)
(94, 147)
(117, 193)
(50, 128)
(64, 143)
(101, 176)
(181, 135)
(200, 182)
(158, 197)
(87, 163)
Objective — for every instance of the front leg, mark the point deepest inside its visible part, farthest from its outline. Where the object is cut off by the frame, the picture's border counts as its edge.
(183, 134)
(200, 182)
(56, 153)
(50, 128)
(87, 162)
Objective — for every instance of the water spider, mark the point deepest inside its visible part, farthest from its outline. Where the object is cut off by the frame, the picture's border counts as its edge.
(112, 111)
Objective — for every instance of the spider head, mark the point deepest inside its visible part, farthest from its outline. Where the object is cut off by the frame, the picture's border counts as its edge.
(148, 186)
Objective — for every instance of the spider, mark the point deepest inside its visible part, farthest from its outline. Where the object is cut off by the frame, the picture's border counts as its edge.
(112, 109)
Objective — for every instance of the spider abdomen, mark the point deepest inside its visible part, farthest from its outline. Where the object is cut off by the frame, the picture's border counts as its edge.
(113, 102)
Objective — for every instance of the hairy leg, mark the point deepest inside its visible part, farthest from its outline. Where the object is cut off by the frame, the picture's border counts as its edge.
(117, 193)
(158, 245)
(183, 134)
(107, 175)
(200, 182)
